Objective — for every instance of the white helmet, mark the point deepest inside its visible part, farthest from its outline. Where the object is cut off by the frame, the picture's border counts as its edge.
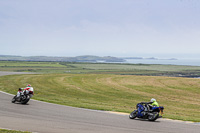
(153, 100)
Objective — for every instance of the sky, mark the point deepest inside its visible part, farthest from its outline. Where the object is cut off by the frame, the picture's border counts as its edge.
(165, 28)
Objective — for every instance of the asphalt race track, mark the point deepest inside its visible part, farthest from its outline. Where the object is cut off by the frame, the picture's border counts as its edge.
(44, 117)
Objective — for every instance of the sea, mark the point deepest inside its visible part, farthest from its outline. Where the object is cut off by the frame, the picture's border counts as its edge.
(182, 61)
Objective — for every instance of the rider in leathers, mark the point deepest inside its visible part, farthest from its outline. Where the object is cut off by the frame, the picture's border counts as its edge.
(28, 90)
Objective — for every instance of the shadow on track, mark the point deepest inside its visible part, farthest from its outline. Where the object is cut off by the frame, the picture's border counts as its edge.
(144, 120)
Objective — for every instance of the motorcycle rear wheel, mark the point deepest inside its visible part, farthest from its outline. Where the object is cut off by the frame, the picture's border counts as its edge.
(25, 100)
(153, 116)
(133, 114)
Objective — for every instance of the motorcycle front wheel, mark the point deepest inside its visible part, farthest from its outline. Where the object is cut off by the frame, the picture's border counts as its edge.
(133, 114)
(14, 99)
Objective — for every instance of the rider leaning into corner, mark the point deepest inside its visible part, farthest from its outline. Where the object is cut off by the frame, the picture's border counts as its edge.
(154, 103)
(149, 106)
(27, 90)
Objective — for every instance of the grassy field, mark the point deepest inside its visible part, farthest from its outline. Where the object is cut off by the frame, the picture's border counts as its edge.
(179, 96)
(11, 131)
(39, 67)
(100, 68)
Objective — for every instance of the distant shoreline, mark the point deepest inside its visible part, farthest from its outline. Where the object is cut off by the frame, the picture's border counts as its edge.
(84, 58)
(104, 59)
(185, 62)
(150, 58)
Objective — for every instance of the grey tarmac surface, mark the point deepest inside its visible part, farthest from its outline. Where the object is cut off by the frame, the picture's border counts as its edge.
(2, 73)
(44, 117)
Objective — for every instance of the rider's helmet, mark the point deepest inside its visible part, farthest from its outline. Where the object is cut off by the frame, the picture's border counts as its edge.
(20, 89)
(28, 85)
(153, 100)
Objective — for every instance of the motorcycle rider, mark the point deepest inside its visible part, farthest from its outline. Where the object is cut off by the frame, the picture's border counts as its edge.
(154, 103)
(147, 106)
(28, 90)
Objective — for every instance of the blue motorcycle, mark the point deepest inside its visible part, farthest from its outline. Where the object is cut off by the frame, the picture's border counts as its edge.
(147, 111)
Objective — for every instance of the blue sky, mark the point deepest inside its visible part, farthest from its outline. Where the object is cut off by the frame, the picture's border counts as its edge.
(168, 28)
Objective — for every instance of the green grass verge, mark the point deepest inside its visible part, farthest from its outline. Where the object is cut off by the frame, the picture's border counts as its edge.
(179, 96)
(12, 131)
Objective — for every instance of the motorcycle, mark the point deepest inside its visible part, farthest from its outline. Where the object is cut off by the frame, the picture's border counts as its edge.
(146, 111)
(23, 98)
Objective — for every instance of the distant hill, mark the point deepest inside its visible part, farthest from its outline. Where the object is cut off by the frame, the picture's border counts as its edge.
(85, 58)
